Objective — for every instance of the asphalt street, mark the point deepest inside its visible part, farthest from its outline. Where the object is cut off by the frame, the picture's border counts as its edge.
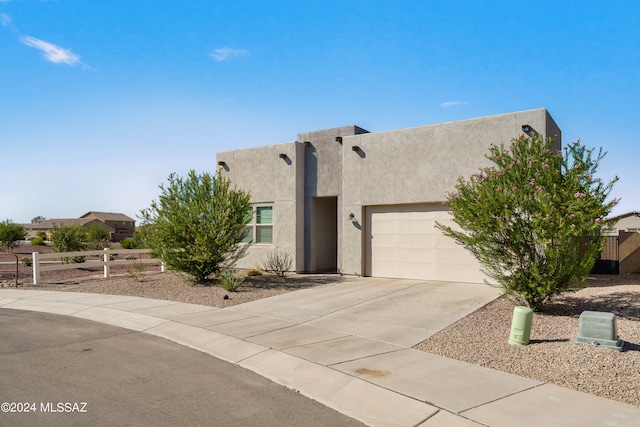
(58, 370)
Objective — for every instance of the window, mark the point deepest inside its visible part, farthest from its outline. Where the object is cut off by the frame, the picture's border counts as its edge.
(260, 227)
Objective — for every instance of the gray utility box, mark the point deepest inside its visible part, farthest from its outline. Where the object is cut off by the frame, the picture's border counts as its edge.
(598, 328)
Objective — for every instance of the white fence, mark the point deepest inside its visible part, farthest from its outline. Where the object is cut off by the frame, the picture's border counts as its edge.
(106, 260)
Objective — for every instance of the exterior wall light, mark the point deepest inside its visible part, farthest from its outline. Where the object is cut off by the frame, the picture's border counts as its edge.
(282, 156)
(222, 164)
(356, 148)
(527, 129)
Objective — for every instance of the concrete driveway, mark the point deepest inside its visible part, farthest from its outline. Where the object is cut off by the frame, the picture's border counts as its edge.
(348, 346)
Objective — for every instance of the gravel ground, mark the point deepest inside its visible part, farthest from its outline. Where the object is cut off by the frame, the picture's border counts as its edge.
(170, 286)
(151, 283)
(480, 338)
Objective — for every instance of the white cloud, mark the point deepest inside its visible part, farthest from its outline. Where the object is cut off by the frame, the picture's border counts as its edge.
(227, 53)
(52, 52)
(453, 104)
(5, 20)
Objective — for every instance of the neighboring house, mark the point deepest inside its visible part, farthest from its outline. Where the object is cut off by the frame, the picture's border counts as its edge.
(46, 226)
(359, 203)
(118, 225)
(629, 222)
(123, 226)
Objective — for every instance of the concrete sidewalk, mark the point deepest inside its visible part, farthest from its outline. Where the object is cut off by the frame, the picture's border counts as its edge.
(348, 346)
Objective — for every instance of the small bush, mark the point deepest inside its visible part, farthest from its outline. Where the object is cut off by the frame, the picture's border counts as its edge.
(254, 272)
(128, 243)
(69, 238)
(26, 261)
(135, 271)
(98, 234)
(229, 280)
(278, 262)
(10, 234)
(37, 241)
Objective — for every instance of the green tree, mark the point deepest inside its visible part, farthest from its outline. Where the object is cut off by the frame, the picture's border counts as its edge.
(38, 219)
(69, 238)
(197, 224)
(533, 218)
(98, 237)
(10, 234)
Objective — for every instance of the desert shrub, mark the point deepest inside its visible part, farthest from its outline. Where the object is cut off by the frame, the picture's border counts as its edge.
(278, 262)
(128, 243)
(136, 270)
(229, 280)
(197, 225)
(98, 233)
(98, 237)
(526, 217)
(254, 272)
(10, 234)
(26, 261)
(37, 241)
(69, 238)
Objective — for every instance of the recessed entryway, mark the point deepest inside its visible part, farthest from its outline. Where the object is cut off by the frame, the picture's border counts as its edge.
(324, 235)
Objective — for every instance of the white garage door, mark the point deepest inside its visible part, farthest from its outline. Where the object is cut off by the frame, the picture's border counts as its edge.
(402, 242)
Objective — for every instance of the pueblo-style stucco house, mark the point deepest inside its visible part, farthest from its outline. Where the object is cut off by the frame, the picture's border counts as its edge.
(359, 203)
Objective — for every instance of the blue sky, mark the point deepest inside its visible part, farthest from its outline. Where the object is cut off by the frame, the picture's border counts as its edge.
(101, 101)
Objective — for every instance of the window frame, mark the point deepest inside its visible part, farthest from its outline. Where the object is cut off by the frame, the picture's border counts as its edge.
(254, 226)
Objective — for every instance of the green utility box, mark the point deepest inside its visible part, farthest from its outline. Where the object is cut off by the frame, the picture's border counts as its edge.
(521, 326)
(598, 328)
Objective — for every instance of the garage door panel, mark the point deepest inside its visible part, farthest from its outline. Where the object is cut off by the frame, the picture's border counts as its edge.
(391, 240)
(459, 273)
(428, 255)
(406, 227)
(403, 242)
(402, 255)
(415, 270)
(454, 256)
